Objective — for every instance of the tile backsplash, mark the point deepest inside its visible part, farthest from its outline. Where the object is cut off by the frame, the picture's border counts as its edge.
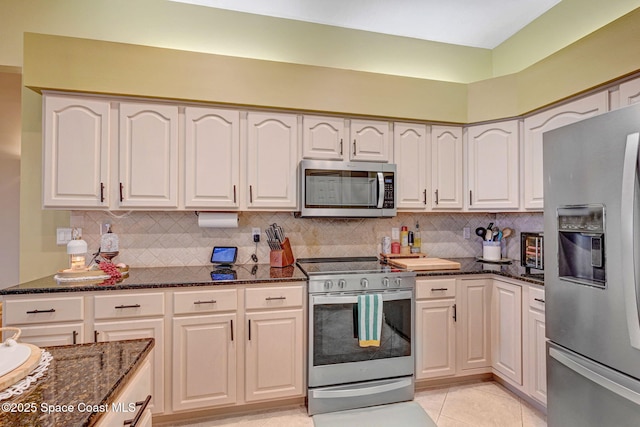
(159, 239)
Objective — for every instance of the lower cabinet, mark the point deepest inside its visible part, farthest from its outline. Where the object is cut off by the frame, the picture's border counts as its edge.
(506, 330)
(536, 346)
(474, 320)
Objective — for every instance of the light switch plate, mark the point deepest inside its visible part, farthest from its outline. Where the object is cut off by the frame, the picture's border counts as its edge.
(63, 236)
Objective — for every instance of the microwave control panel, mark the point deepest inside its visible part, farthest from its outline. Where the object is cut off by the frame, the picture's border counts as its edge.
(389, 199)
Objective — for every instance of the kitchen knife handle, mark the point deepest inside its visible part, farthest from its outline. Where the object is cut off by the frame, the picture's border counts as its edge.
(234, 193)
(251, 194)
(102, 192)
(455, 313)
(121, 192)
(341, 146)
(425, 197)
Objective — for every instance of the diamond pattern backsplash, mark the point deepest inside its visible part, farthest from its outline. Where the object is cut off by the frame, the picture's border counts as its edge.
(160, 239)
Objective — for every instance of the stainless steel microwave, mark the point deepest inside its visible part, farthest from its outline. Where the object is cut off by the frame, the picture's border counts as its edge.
(347, 189)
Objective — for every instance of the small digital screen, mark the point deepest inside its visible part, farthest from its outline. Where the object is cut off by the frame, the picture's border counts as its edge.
(223, 275)
(388, 180)
(224, 254)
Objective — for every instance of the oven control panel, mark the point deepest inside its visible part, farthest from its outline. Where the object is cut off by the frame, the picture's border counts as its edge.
(359, 282)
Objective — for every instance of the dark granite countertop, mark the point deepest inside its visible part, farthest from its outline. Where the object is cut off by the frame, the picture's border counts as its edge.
(166, 277)
(79, 376)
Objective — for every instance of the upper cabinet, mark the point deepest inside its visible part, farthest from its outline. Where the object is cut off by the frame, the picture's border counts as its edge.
(212, 158)
(370, 141)
(148, 166)
(271, 161)
(75, 152)
(493, 166)
(629, 92)
(323, 138)
(446, 167)
(410, 151)
(536, 125)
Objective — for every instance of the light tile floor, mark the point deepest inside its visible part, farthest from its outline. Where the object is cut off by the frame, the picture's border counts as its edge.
(476, 404)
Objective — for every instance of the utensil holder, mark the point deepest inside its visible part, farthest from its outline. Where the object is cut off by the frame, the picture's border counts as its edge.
(491, 251)
(282, 257)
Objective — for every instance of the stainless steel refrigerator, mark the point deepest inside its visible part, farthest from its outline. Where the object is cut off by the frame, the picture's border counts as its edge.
(592, 271)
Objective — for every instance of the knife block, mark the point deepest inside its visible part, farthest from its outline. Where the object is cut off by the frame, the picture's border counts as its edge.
(283, 257)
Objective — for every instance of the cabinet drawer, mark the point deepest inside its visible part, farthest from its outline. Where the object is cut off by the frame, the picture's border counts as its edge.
(43, 310)
(128, 305)
(536, 298)
(205, 301)
(285, 296)
(435, 288)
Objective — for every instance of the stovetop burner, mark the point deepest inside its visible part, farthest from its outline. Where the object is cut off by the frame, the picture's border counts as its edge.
(346, 265)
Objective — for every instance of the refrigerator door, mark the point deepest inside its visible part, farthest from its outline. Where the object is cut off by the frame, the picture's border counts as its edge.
(583, 393)
(589, 163)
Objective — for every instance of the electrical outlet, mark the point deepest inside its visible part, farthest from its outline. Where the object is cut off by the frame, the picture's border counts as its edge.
(255, 232)
(104, 227)
(466, 233)
(63, 236)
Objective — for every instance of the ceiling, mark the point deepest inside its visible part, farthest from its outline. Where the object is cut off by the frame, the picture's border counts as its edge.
(474, 23)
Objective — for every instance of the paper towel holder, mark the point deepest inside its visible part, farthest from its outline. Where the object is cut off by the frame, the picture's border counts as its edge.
(210, 219)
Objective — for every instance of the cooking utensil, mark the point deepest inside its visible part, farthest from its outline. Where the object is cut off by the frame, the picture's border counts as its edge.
(489, 234)
(490, 226)
(481, 232)
(507, 232)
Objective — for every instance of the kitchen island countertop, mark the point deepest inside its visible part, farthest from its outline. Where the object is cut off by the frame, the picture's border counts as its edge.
(82, 381)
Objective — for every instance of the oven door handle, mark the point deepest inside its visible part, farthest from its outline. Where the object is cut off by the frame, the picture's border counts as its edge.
(353, 298)
(361, 391)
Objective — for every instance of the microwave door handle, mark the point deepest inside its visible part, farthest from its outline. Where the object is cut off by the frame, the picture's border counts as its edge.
(380, 190)
(629, 173)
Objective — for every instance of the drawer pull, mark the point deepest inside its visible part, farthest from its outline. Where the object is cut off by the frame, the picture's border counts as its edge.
(455, 313)
(51, 310)
(133, 422)
(212, 301)
(75, 336)
(127, 306)
(274, 298)
(95, 336)
(439, 289)
(231, 329)
(540, 300)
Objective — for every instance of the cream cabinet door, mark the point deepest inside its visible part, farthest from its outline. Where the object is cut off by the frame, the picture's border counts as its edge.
(435, 338)
(212, 158)
(323, 138)
(535, 360)
(142, 328)
(506, 331)
(536, 125)
(493, 166)
(204, 361)
(370, 141)
(148, 167)
(411, 157)
(446, 168)
(274, 352)
(53, 334)
(75, 152)
(272, 160)
(474, 321)
(629, 92)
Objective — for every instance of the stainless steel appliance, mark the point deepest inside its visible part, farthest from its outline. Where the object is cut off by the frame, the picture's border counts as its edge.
(532, 251)
(347, 189)
(341, 374)
(592, 273)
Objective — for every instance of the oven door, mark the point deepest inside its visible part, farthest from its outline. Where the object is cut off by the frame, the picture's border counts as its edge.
(334, 354)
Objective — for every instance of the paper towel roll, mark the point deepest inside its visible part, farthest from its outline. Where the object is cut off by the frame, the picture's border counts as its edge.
(218, 220)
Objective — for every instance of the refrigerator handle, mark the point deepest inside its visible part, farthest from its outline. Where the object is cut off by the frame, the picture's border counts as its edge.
(629, 173)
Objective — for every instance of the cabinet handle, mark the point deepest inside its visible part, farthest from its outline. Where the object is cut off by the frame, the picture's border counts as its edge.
(121, 192)
(439, 289)
(234, 193)
(95, 336)
(540, 300)
(212, 301)
(127, 306)
(470, 197)
(424, 196)
(455, 313)
(231, 329)
(101, 192)
(51, 310)
(250, 194)
(143, 405)
(341, 146)
(75, 334)
(354, 147)
(274, 298)
(437, 198)
(249, 329)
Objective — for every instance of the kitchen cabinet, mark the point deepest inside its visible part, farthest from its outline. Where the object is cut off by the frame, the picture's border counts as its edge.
(629, 92)
(275, 341)
(435, 328)
(76, 132)
(493, 166)
(212, 158)
(447, 175)
(148, 155)
(125, 315)
(536, 125)
(271, 161)
(370, 140)
(474, 322)
(410, 151)
(46, 321)
(204, 349)
(506, 330)
(535, 346)
(323, 138)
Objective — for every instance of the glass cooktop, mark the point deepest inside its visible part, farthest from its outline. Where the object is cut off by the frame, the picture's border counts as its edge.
(348, 265)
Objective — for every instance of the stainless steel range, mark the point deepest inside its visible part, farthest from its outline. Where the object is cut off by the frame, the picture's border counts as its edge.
(342, 374)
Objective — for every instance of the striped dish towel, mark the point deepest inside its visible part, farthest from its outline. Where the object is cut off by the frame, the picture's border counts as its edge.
(369, 320)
